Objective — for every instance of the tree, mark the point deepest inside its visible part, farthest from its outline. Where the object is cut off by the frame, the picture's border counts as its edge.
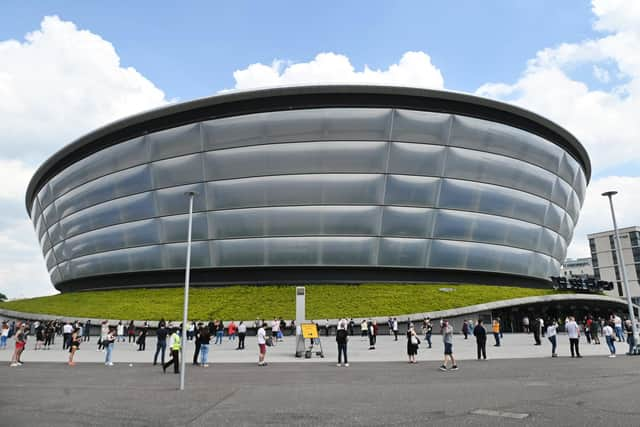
(3, 297)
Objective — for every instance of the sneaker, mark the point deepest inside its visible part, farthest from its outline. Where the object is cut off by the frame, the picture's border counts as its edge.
(110, 363)
(338, 365)
(20, 363)
(612, 355)
(454, 368)
(14, 364)
(346, 365)
(206, 365)
(443, 368)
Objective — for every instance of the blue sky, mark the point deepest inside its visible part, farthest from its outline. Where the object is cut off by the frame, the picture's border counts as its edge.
(68, 67)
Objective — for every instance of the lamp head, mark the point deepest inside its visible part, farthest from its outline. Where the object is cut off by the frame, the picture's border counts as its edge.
(190, 193)
(610, 193)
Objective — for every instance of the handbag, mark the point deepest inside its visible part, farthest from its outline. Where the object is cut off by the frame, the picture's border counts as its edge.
(414, 340)
(269, 342)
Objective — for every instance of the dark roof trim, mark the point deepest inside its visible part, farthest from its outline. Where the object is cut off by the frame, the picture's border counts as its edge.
(301, 97)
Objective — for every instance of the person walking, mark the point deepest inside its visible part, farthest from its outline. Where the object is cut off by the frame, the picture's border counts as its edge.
(120, 332)
(131, 332)
(161, 343)
(573, 331)
(20, 343)
(394, 327)
(428, 330)
(262, 345)
(342, 337)
(537, 331)
(275, 327)
(242, 333)
(364, 330)
(607, 332)
(67, 329)
(104, 331)
(413, 342)
(525, 324)
(231, 330)
(628, 328)
(447, 340)
(587, 329)
(87, 331)
(372, 336)
(352, 325)
(552, 337)
(108, 344)
(465, 329)
(174, 345)
(596, 324)
(495, 328)
(204, 338)
(481, 339)
(142, 339)
(617, 324)
(75, 345)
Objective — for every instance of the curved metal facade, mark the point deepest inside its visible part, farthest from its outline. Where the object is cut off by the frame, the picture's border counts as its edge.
(320, 188)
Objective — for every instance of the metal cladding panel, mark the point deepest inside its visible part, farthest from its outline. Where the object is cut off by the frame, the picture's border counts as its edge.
(326, 187)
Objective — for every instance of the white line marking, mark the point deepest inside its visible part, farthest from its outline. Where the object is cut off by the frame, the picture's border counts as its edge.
(492, 413)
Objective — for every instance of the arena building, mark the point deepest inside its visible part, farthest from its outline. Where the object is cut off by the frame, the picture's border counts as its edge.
(313, 184)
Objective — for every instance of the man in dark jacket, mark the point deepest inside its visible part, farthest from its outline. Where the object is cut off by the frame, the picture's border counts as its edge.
(481, 339)
(198, 342)
(161, 343)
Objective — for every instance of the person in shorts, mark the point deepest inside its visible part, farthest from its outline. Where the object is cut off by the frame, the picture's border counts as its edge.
(447, 339)
(21, 341)
(262, 345)
(75, 345)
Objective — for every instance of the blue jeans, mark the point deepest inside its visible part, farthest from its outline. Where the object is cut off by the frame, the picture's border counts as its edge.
(496, 337)
(219, 336)
(619, 332)
(204, 354)
(554, 344)
(630, 341)
(427, 338)
(107, 358)
(611, 345)
(161, 346)
(342, 350)
(3, 341)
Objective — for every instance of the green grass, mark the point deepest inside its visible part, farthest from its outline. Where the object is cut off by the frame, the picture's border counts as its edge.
(249, 302)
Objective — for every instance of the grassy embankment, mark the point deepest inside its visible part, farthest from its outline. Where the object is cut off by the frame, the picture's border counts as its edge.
(249, 302)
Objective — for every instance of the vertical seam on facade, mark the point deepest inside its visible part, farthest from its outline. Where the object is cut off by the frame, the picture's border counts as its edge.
(384, 188)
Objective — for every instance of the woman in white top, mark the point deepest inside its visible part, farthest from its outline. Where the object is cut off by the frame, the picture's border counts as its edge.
(607, 331)
(262, 345)
(551, 335)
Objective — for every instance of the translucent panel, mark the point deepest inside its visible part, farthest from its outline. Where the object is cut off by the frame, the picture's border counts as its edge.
(421, 126)
(307, 157)
(494, 169)
(131, 208)
(124, 183)
(561, 192)
(50, 214)
(396, 252)
(45, 243)
(539, 266)
(492, 199)
(568, 168)
(348, 250)
(55, 233)
(65, 270)
(175, 228)
(502, 139)
(111, 159)
(172, 200)
(560, 250)
(50, 259)
(135, 233)
(174, 256)
(411, 190)
(554, 216)
(294, 221)
(120, 261)
(40, 227)
(35, 210)
(547, 241)
(177, 171)
(580, 185)
(566, 228)
(238, 252)
(554, 267)
(409, 222)
(293, 251)
(60, 252)
(295, 190)
(478, 256)
(416, 159)
(298, 125)
(573, 207)
(55, 276)
(45, 196)
(175, 142)
(453, 225)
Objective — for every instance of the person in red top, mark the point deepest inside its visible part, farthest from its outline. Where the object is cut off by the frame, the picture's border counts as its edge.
(587, 329)
(232, 329)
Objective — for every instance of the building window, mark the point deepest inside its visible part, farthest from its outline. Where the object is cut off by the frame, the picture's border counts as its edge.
(594, 261)
(596, 273)
(617, 272)
(636, 254)
(592, 245)
(620, 293)
(615, 257)
(612, 242)
(638, 271)
(633, 237)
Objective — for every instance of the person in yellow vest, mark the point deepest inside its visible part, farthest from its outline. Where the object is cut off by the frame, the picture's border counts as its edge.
(174, 346)
(495, 328)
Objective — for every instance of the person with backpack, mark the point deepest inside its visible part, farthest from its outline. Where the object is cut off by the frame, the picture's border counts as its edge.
(342, 337)
(413, 342)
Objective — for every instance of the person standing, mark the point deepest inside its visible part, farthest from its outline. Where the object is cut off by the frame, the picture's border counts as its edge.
(108, 344)
(262, 345)
(242, 333)
(67, 329)
(219, 332)
(428, 330)
(364, 329)
(394, 326)
(587, 329)
(465, 329)
(120, 332)
(75, 345)
(537, 331)
(628, 328)
(413, 342)
(447, 340)
(174, 345)
(525, 324)
(552, 337)
(573, 331)
(495, 328)
(161, 343)
(131, 332)
(86, 333)
(617, 322)
(372, 336)
(596, 324)
(481, 339)
(607, 331)
(341, 339)
(21, 343)
(104, 331)
(232, 331)
(204, 338)
(4, 336)
(352, 325)
(142, 339)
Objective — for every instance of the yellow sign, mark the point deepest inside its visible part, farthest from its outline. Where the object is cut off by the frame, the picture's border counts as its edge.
(309, 330)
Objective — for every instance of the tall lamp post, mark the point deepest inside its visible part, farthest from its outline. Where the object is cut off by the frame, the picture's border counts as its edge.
(191, 195)
(623, 269)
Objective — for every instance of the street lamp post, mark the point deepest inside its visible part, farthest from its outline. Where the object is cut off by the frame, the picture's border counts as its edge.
(191, 195)
(623, 269)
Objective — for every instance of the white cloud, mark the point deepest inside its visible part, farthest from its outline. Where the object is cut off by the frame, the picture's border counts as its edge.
(57, 84)
(413, 69)
(605, 121)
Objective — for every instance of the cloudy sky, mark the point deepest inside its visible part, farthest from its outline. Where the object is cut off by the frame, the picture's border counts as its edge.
(69, 67)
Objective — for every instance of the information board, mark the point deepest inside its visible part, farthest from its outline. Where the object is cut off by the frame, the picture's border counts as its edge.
(309, 330)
